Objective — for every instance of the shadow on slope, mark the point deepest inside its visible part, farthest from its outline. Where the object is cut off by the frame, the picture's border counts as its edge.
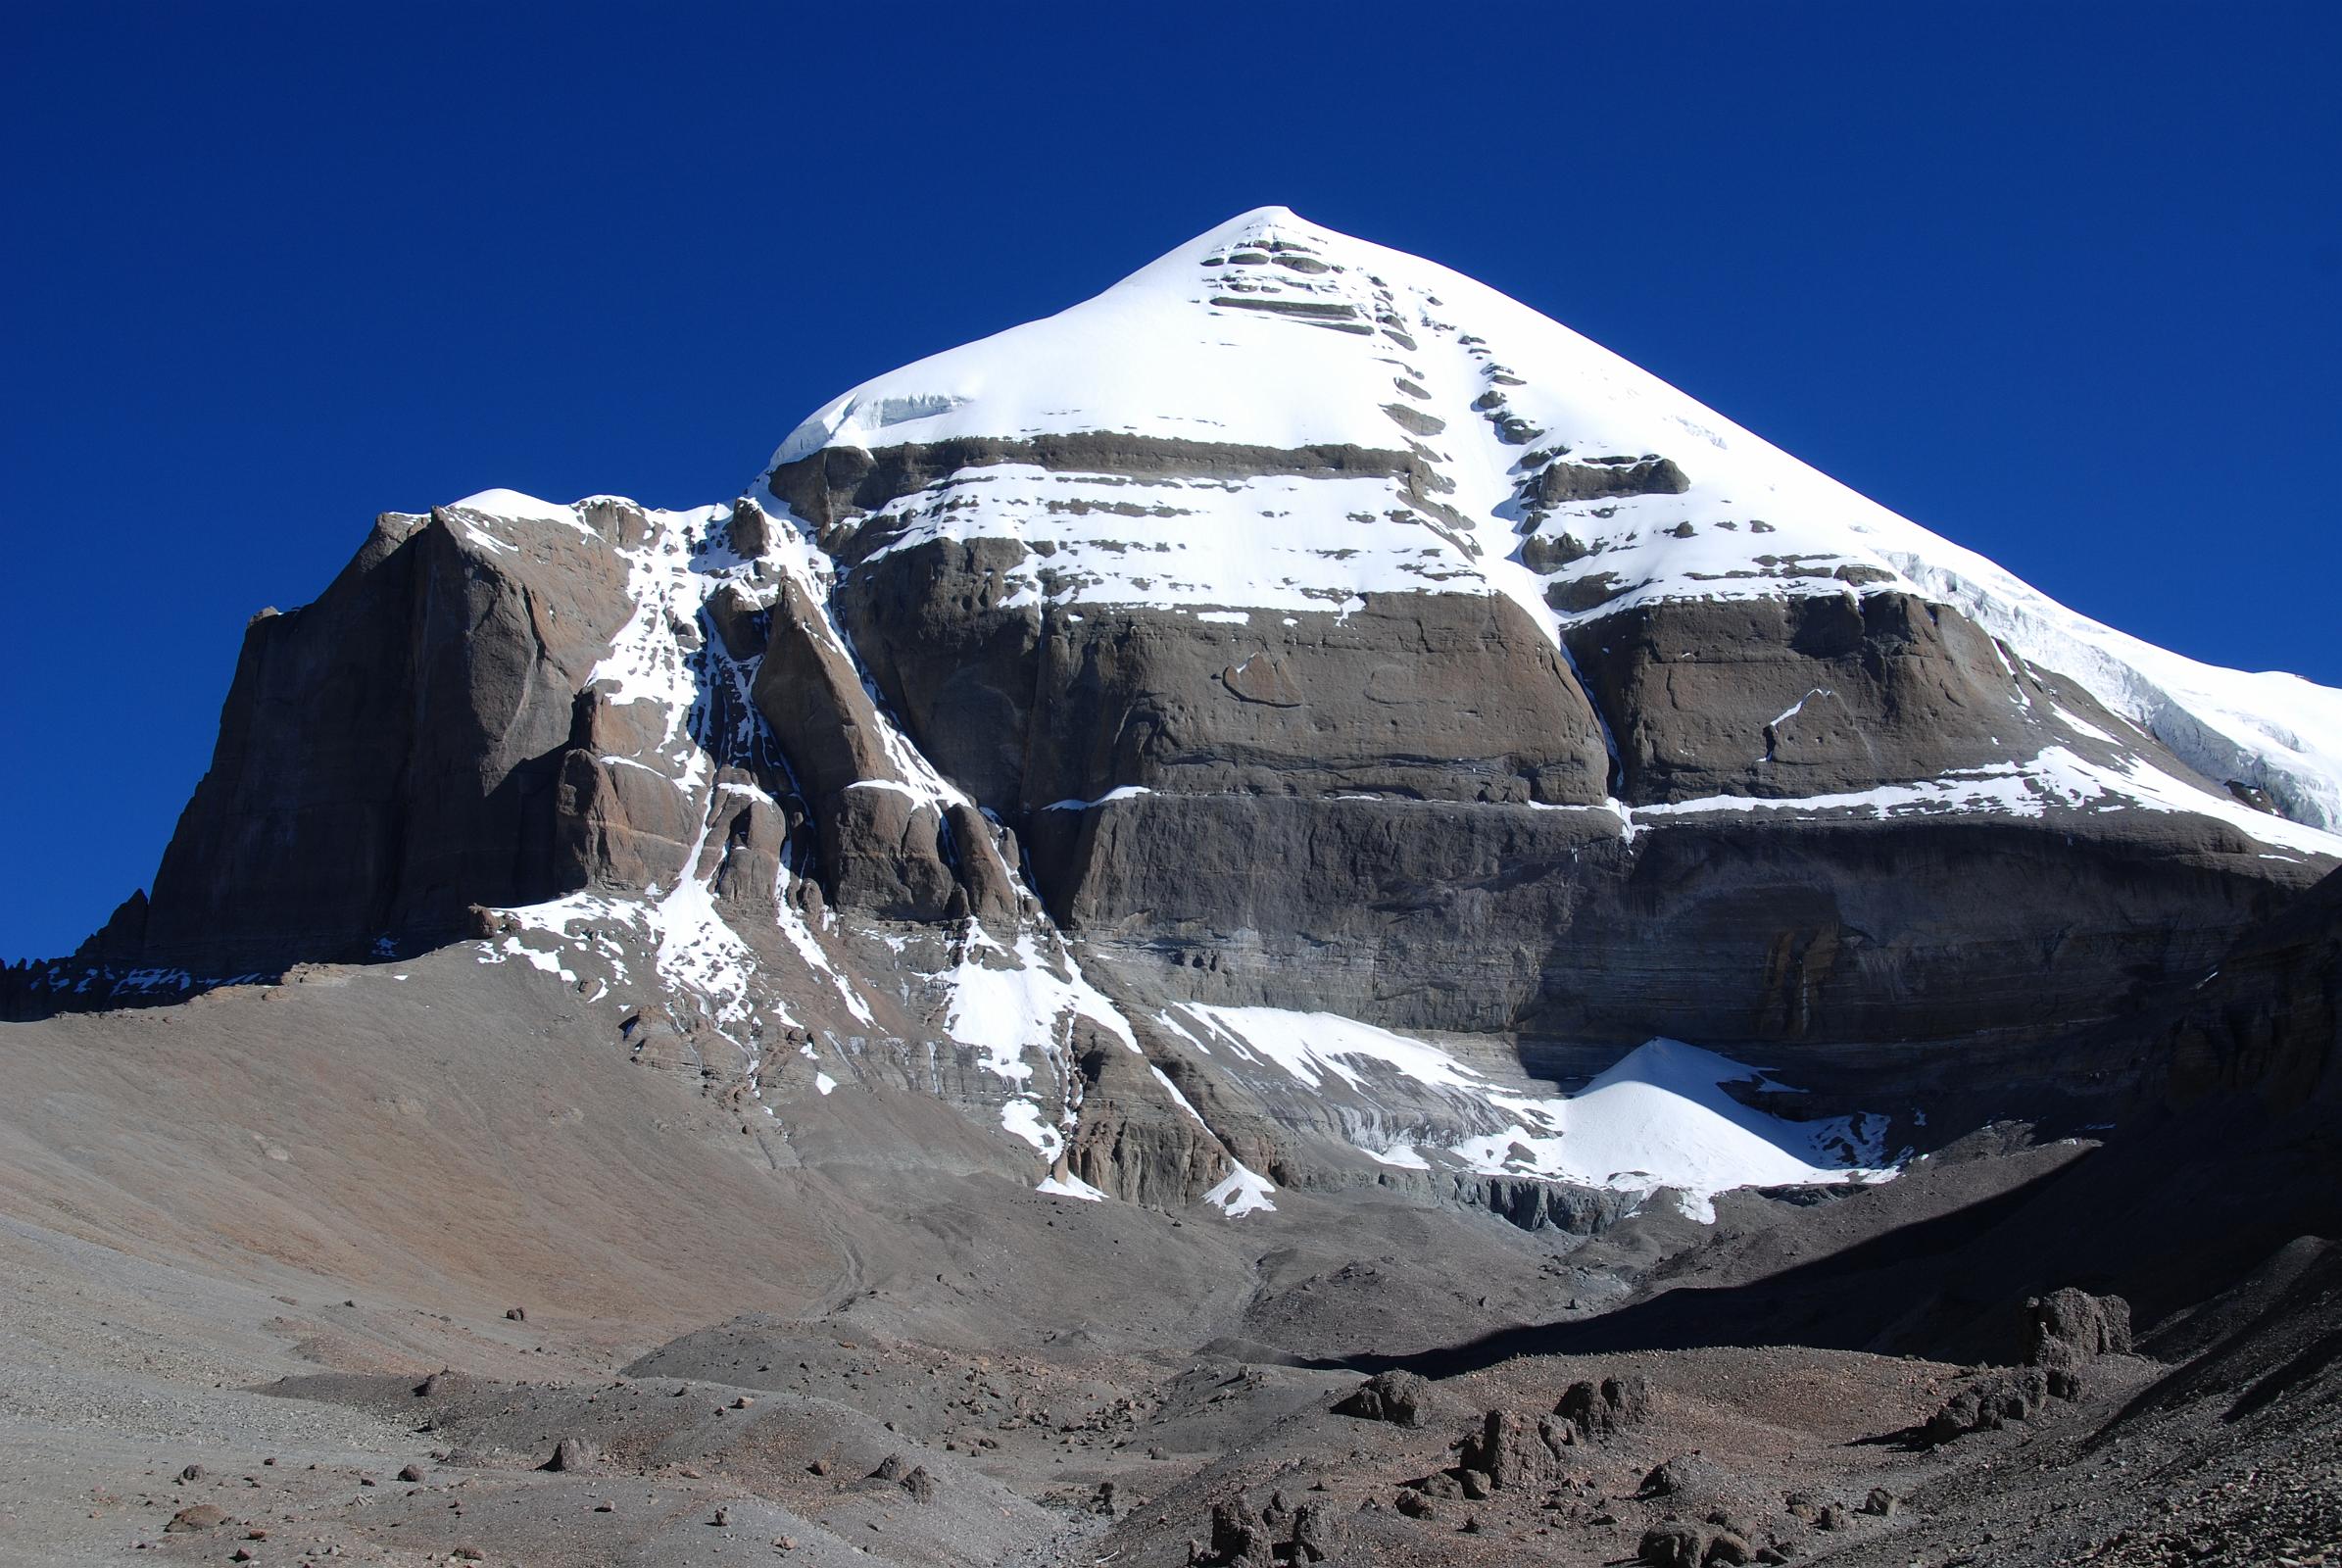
(1939, 1263)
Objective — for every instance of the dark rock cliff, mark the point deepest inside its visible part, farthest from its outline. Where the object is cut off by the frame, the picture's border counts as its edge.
(391, 754)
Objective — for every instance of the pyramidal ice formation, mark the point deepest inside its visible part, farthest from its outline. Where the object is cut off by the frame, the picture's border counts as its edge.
(1298, 717)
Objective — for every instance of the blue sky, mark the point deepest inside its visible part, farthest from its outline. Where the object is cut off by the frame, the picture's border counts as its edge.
(2061, 282)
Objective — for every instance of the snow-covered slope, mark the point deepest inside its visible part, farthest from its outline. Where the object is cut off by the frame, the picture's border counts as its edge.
(1542, 466)
(1658, 1117)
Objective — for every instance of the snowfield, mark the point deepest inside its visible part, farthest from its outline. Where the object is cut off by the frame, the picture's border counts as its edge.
(1658, 1120)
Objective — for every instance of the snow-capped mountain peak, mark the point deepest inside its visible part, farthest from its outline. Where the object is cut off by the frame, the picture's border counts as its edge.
(1405, 428)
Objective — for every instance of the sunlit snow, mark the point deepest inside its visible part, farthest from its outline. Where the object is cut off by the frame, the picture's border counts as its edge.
(1658, 1118)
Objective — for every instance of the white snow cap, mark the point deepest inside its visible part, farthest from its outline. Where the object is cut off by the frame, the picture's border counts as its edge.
(1270, 330)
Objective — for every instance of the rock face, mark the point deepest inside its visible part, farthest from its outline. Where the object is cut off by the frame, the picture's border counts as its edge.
(1033, 708)
(1138, 1143)
(2263, 1022)
(1799, 930)
(1298, 630)
(1816, 695)
(887, 839)
(393, 754)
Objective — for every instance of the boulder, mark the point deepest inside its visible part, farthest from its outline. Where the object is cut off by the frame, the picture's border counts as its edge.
(2069, 1329)
(1686, 1476)
(1515, 1451)
(1315, 1535)
(1729, 1548)
(1398, 1398)
(573, 1456)
(1672, 1546)
(1599, 1410)
(1238, 1539)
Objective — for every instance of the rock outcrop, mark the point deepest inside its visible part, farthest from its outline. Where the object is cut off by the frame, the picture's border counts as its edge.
(892, 844)
(393, 754)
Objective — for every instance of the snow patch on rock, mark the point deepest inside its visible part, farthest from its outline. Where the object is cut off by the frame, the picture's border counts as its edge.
(1660, 1117)
(1241, 1192)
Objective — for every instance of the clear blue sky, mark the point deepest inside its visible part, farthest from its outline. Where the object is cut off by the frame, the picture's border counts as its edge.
(2061, 282)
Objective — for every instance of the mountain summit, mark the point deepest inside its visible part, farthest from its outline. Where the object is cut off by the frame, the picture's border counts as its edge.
(1543, 466)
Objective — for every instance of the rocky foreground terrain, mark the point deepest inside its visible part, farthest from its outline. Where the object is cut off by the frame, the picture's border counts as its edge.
(381, 1270)
(1290, 917)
